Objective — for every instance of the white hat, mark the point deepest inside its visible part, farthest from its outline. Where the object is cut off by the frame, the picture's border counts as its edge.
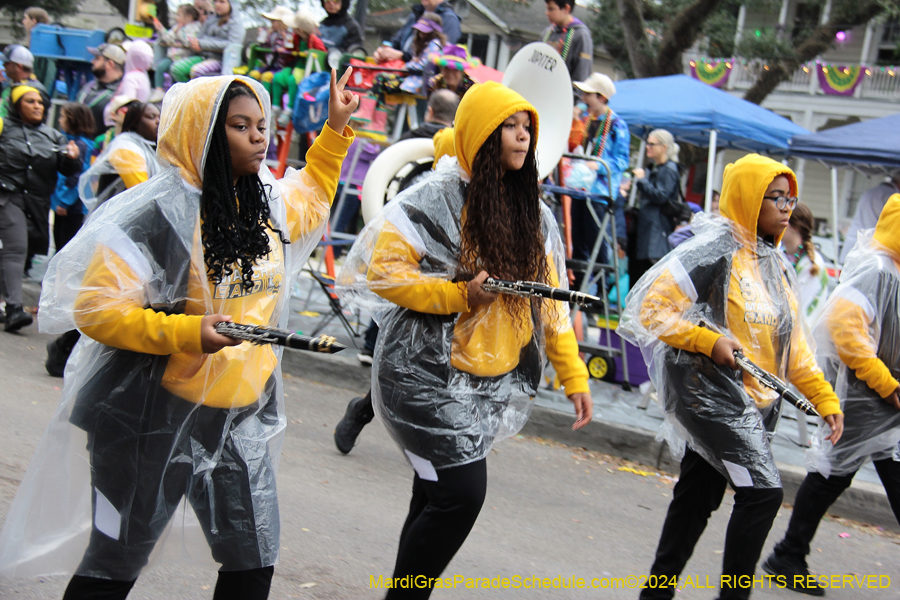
(20, 55)
(598, 83)
(280, 13)
(303, 21)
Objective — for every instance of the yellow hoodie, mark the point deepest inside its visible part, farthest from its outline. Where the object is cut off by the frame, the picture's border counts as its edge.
(486, 341)
(848, 323)
(234, 376)
(750, 311)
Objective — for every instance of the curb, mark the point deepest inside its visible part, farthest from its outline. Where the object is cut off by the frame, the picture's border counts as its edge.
(863, 501)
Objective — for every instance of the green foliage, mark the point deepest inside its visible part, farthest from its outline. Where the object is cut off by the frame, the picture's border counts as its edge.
(768, 45)
(383, 5)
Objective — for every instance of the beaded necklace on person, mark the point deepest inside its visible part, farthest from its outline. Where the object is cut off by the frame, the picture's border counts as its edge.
(798, 256)
(567, 31)
(607, 124)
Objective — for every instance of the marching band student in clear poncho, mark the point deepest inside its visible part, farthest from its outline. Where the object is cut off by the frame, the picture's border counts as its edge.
(858, 339)
(158, 410)
(727, 288)
(456, 368)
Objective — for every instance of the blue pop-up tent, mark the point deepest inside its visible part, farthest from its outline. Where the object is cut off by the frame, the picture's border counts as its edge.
(871, 145)
(702, 115)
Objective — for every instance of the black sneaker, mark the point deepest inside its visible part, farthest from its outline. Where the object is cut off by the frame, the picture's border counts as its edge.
(365, 356)
(359, 414)
(16, 318)
(791, 569)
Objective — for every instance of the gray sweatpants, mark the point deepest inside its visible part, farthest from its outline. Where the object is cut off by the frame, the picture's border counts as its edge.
(14, 235)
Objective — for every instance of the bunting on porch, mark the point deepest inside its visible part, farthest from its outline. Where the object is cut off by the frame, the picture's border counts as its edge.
(712, 72)
(839, 80)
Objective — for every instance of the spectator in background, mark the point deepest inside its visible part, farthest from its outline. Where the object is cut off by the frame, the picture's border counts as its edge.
(108, 69)
(210, 44)
(174, 42)
(452, 62)
(603, 134)
(44, 68)
(429, 39)
(136, 82)
(18, 62)
(340, 30)
(684, 231)
(77, 123)
(808, 264)
(400, 47)
(869, 209)
(440, 114)
(656, 188)
(31, 154)
(570, 37)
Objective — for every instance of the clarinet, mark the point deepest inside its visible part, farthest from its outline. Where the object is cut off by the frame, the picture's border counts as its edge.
(773, 383)
(532, 289)
(261, 334)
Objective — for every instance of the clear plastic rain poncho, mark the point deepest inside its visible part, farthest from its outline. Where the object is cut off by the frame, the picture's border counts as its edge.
(858, 346)
(724, 281)
(131, 445)
(447, 386)
(128, 160)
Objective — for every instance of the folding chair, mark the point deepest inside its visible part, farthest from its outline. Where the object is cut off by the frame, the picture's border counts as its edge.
(326, 282)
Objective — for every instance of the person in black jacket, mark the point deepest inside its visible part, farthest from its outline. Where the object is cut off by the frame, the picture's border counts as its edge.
(655, 188)
(401, 44)
(31, 153)
(340, 30)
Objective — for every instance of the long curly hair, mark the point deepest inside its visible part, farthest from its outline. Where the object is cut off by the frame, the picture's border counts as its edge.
(502, 229)
(235, 217)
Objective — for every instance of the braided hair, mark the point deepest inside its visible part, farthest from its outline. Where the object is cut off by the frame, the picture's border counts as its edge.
(502, 230)
(235, 217)
(802, 221)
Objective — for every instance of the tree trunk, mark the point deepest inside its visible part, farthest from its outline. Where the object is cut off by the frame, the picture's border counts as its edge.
(633, 34)
(846, 15)
(681, 35)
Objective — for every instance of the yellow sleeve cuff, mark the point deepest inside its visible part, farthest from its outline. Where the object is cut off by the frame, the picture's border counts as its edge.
(562, 350)
(705, 341)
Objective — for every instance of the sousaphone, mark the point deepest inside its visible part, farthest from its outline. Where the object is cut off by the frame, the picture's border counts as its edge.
(539, 74)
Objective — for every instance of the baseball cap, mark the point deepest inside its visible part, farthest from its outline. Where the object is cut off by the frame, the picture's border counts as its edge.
(20, 55)
(597, 83)
(113, 52)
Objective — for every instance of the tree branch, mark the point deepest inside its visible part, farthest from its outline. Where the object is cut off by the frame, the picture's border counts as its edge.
(681, 35)
(848, 14)
(633, 33)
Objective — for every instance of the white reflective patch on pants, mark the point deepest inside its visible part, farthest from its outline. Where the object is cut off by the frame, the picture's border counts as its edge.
(740, 476)
(424, 468)
(106, 518)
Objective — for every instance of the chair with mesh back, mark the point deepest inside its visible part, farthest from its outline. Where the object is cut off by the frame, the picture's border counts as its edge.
(326, 282)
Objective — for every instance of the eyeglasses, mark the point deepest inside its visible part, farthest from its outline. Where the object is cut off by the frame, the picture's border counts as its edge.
(782, 202)
(650, 144)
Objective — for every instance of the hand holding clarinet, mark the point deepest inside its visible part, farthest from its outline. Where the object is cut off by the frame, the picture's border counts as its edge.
(219, 331)
(727, 353)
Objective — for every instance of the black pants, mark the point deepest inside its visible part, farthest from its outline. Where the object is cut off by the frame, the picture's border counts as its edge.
(817, 494)
(65, 228)
(371, 336)
(441, 515)
(698, 493)
(232, 585)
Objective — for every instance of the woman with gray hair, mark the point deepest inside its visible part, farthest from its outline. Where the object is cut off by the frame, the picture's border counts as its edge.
(656, 189)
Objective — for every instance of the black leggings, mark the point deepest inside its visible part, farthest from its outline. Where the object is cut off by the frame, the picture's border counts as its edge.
(252, 584)
(817, 494)
(441, 515)
(698, 493)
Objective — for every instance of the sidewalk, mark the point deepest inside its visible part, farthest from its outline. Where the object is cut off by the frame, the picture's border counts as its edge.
(619, 427)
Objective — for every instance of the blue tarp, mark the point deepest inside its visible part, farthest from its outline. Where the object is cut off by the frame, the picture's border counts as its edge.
(873, 144)
(689, 109)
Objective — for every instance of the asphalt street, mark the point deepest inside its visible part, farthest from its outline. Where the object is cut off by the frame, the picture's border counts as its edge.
(551, 511)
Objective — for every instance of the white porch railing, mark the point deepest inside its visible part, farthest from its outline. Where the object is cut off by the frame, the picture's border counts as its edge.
(879, 83)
